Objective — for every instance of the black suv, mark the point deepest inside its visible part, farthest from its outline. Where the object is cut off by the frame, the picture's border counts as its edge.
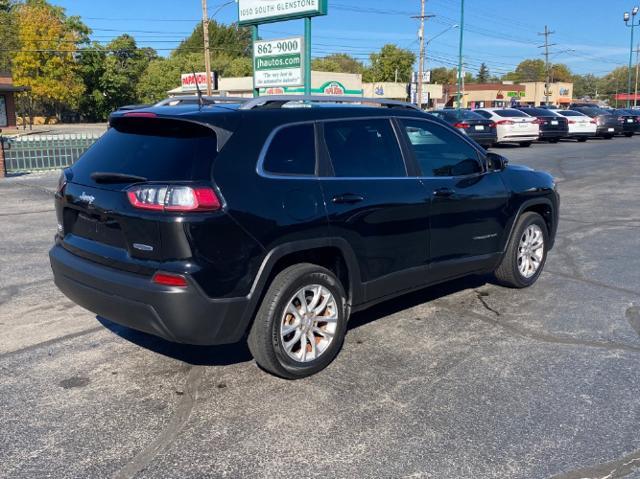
(553, 127)
(276, 219)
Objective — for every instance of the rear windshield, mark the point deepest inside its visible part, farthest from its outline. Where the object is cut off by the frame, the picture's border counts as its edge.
(538, 112)
(570, 113)
(509, 113)
(158, 150)
(595, 111)
(467, 115)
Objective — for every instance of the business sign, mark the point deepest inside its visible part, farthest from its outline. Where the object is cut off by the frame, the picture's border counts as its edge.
(426, 76)
(251, 12)
(278, 63)
(512, 94)
(189, 81)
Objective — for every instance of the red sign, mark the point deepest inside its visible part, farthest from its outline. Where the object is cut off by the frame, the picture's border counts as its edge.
(333, 88)
(274, 91)
(189, 80)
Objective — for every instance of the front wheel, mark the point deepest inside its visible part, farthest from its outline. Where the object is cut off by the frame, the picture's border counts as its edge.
(582, 140)
(608, 137)
(628, 134)
(300, 326)
(526, 252)
(525, 144)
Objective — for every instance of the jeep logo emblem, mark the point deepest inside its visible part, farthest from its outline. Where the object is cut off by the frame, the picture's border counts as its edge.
(86, 198)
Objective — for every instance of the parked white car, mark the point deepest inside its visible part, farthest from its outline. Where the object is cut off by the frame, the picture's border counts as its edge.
(581, 126)
(512, 126)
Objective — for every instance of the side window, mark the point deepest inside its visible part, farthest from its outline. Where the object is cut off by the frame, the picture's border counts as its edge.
(486, 114)
(364, 148)
(292, 151)
(441, 152)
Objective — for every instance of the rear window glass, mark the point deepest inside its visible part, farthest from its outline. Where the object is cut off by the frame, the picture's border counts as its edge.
(570, 113)
(292, 151)
(468, 115)
(538, 112)
(364, 148)
(510, 113)
(158, 150)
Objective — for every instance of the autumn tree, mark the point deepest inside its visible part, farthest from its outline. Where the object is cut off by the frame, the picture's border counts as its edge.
(8, 33)
(390, 64)
(46, 61)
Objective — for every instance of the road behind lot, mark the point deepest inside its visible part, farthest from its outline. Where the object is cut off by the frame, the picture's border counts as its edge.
(467, 379)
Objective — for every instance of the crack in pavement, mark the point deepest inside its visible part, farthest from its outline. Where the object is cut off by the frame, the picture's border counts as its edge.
(608, 470)
(546, 337)
(593, 282)
(172, 429)
(21, 213)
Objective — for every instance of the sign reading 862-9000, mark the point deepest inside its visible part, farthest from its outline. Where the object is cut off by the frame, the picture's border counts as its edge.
(278, 62)
(263, 11)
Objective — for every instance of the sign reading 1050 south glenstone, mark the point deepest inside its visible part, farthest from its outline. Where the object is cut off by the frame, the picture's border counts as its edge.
(263, 11)
(277, 63)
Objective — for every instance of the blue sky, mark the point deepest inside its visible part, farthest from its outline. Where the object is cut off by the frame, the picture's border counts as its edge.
(590, 34)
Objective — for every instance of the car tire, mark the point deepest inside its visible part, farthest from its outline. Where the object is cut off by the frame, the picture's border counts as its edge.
(608, 137)
(582, 140)
(554, 140)
(525, 144)
(278, 351)
(521, 265)
(628, 135)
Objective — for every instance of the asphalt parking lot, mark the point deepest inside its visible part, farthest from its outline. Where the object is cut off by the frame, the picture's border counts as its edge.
(467, 379)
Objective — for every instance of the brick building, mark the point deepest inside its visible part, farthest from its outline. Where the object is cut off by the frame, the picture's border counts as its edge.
(7, 101)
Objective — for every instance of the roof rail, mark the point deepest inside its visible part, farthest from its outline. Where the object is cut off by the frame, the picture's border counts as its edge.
(206, 99)
(278, 101)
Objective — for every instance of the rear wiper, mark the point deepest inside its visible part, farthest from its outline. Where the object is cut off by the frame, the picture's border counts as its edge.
(102, 177)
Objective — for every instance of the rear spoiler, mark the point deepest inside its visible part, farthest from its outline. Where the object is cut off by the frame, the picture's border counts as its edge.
(222, 134)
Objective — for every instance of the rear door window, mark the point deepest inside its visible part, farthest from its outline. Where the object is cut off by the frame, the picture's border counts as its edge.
(364, 148)
(439, 151)
(158, 150)
(292, 151)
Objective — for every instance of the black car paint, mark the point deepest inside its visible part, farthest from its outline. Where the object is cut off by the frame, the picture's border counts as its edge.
(546, 119)
(604, 120)
(487, 137)
(399, 237)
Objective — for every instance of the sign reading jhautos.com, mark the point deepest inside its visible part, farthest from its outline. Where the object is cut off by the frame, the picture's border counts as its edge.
(278, 62)
(252, 12)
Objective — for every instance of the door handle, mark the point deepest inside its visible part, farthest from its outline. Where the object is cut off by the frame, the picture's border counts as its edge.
(348, 198)
(443, 192)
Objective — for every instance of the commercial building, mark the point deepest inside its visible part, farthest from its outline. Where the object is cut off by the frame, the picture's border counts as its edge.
(7, 101)
(487, 95)
(398, 91)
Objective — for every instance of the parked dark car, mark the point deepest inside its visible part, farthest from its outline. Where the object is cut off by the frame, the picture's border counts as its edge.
(475, 126)
(628, 120)
(608, 125)
(553, 127)
(214, 224)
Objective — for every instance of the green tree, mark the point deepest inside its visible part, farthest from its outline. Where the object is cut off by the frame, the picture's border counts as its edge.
(46, 61)
(444, 76)
(613, 82)
(585, 85)
(483, 74)
(231, 40)
(123, 66)
(392, 62)
(93, 105)
(337, 62)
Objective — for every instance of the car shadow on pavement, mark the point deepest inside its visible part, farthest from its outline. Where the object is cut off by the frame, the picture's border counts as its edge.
(410, 300)
(195, 355)
(239, 352)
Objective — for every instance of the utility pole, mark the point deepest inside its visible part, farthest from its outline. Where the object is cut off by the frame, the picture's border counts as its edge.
(547, 68)
(422, 18)
(207, 56)
(635, 96)
(459, 99)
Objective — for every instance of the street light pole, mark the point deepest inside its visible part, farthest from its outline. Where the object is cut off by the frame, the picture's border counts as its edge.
(207, 55)
(459, 99)
(635, 96)
(632, 24)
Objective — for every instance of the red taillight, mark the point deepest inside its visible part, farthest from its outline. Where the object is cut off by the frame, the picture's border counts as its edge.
(593, 121)
(492, 125)
(572, 122)
(173, 198)
(504, 122)
(539, 121)
(461, 124)
(140, 114)
(166, 279)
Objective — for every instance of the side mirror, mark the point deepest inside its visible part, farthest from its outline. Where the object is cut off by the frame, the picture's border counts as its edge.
(496, 162)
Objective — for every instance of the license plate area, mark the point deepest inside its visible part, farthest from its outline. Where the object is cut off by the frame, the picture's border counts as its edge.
(479, 127)
(101, 229)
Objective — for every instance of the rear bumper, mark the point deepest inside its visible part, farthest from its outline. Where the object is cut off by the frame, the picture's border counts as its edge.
(604, 130)
(484, 138)
(551, 134)
(183, 315)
